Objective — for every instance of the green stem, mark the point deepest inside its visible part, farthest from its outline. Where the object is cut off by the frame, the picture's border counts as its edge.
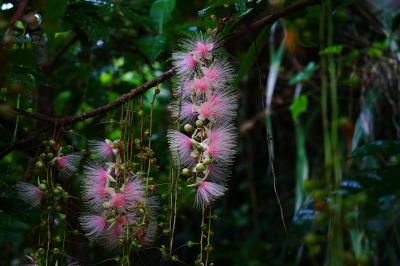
(17, 120)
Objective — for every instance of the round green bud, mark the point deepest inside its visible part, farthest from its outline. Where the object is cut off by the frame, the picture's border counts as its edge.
(200, 167)
(106, 205)
(56, 191)
(57, 238)
(188, 128)
(42, 187)
(39, 164)
(50, 155)
(207, 161)
(42, 155)
(199, 123)
(56, 251)
(41, 251)
(63, 216)
(140, 113)
(186, 172)
(52, 142)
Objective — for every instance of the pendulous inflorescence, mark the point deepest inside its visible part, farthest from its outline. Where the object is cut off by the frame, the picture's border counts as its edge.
(206, 104)
(119, 209)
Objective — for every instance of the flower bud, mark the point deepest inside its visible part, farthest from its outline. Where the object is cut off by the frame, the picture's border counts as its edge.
(188, 128)
(200, 167)
(199, 123)
(186, 172)
(52, 142)
(42, 187)
(39, 164)
(106, 205)
(207, 161)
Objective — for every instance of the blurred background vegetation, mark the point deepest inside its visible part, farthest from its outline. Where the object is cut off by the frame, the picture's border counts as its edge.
(319, 117)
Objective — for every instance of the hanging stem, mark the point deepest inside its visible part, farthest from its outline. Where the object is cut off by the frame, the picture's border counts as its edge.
(201, 234)
(17, 119)
(208, 247)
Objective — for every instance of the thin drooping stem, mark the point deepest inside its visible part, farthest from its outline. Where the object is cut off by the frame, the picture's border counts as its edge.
(17, 119)
(202, 234)
(208, 247)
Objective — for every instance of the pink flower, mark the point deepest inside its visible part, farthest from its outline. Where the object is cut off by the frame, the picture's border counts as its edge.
(221, 144)
(68, 164)
(203, 48)
(114, 233)
(95, 195)
(93, 225)
(184, 62)
(29, 193)
(207, 192)
(218, 173)
(117, 201)
(218, 108)
(96, 175)
(104, 150)
(201, 85)
(219, 74)
(147, 233)
(181, 147)
(134, 191)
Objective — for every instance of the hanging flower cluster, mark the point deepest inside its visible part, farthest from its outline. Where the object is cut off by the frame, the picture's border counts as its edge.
(119, 207)
(207, 105)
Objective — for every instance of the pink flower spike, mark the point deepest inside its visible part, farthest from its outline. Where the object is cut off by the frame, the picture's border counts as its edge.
(93, 225)
(207, 192)
(29, 193)
(102, 149)
(68, 164)
(181, 147)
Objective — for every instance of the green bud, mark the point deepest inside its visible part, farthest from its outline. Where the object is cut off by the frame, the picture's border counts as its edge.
(140, 113)
(41, 251)
(188, 128)
(57, 238)
(63, 216)
(106, 205)
(52, 142)
(42, 155)
(39, 164)
(56, 191)
(200, 167)
(42, 187)
(207, 161)
(56, 251)
(199, 123)
(186, 172)
(50, 155)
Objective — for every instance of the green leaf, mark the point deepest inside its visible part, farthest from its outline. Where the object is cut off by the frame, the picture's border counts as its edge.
(379, 147)
(152, 46)
(53, 13)
(332, 50)
(304, 75)
(299, 106)
(160, 12)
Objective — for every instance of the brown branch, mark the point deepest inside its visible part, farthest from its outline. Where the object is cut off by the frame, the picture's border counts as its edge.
(163, 77)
